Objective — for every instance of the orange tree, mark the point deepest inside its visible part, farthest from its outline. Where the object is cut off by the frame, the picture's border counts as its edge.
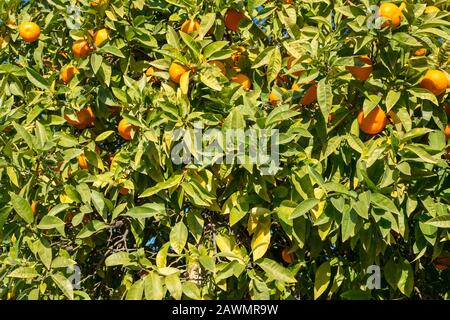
(92, 94)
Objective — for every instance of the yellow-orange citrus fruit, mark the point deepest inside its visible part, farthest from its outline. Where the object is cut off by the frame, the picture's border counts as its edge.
(67, 73)
(374, 122)
(100, 36)
(289, 66)
(420, 52)
(435, 81)
(392, 13)
(176, 71)
(274, 98)
(150, 71)
(362, 73)
(243, 80)
(81, 49)
(85, 117)
(29, 31)
(190, 25)
(310, 96)
(286, 256)
(447, 131)
(34, 207)
(219, 65)
(431, 9)
(125, 128)
(295, 86)
(82, 162)
(288, 1)
(233, 18)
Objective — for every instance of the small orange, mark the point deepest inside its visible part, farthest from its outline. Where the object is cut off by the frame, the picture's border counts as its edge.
(81, 49)
(125, 128)
(310, 96)
(233, 18)
(243, 80)
(29, 31)
(434, 81)
(176, 71)
(447, 131)
(362, 73)
(219, 65)
(286, 256)
(431, 9)
(67, 73)
(289, 66)
(85, 117)
(274, 98)
(34, 207)
(190, 25)
(124, 191)
(420, 52)
(149, 71)
(392, 13)
(100, 36)
(441, 263)
(374, 122)
(82, 162)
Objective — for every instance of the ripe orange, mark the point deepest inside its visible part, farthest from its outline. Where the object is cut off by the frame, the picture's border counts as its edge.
(81, 49)
(219, 65)
(124, 129)
(310, 96)
(100, 36)
(374, 122)
(289, 66)
(233, 18)
(29, 31)
(34, 207)
(362, 73)
(149, 71)
(124, 191)
(243, 80)
(85, 117)
(431, 9)
(392, 13)
(435, 81)
(286, 256)
(441, 263)
(67, 73)
(274, 98)
(82, 162)
(420, 52)
(176, 71)
(190, 25)
(447, 131)
(288, 1)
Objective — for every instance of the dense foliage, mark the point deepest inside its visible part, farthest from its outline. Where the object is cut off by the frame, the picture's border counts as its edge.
(92, 100)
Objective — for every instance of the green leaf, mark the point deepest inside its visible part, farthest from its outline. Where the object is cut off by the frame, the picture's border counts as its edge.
(178, 237)
(174, 286)
(191, 290)
(36, 79)
(22, 207)
(170, 183)
(91, 228)
(304, 207)
(153, 287)
(118, 259)
(147, 210)
(383, 202)
(322, 279)
(440, 222)
(275, 271)
(136, 291)
(64, 285)
(325, 97)
(24, 273)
